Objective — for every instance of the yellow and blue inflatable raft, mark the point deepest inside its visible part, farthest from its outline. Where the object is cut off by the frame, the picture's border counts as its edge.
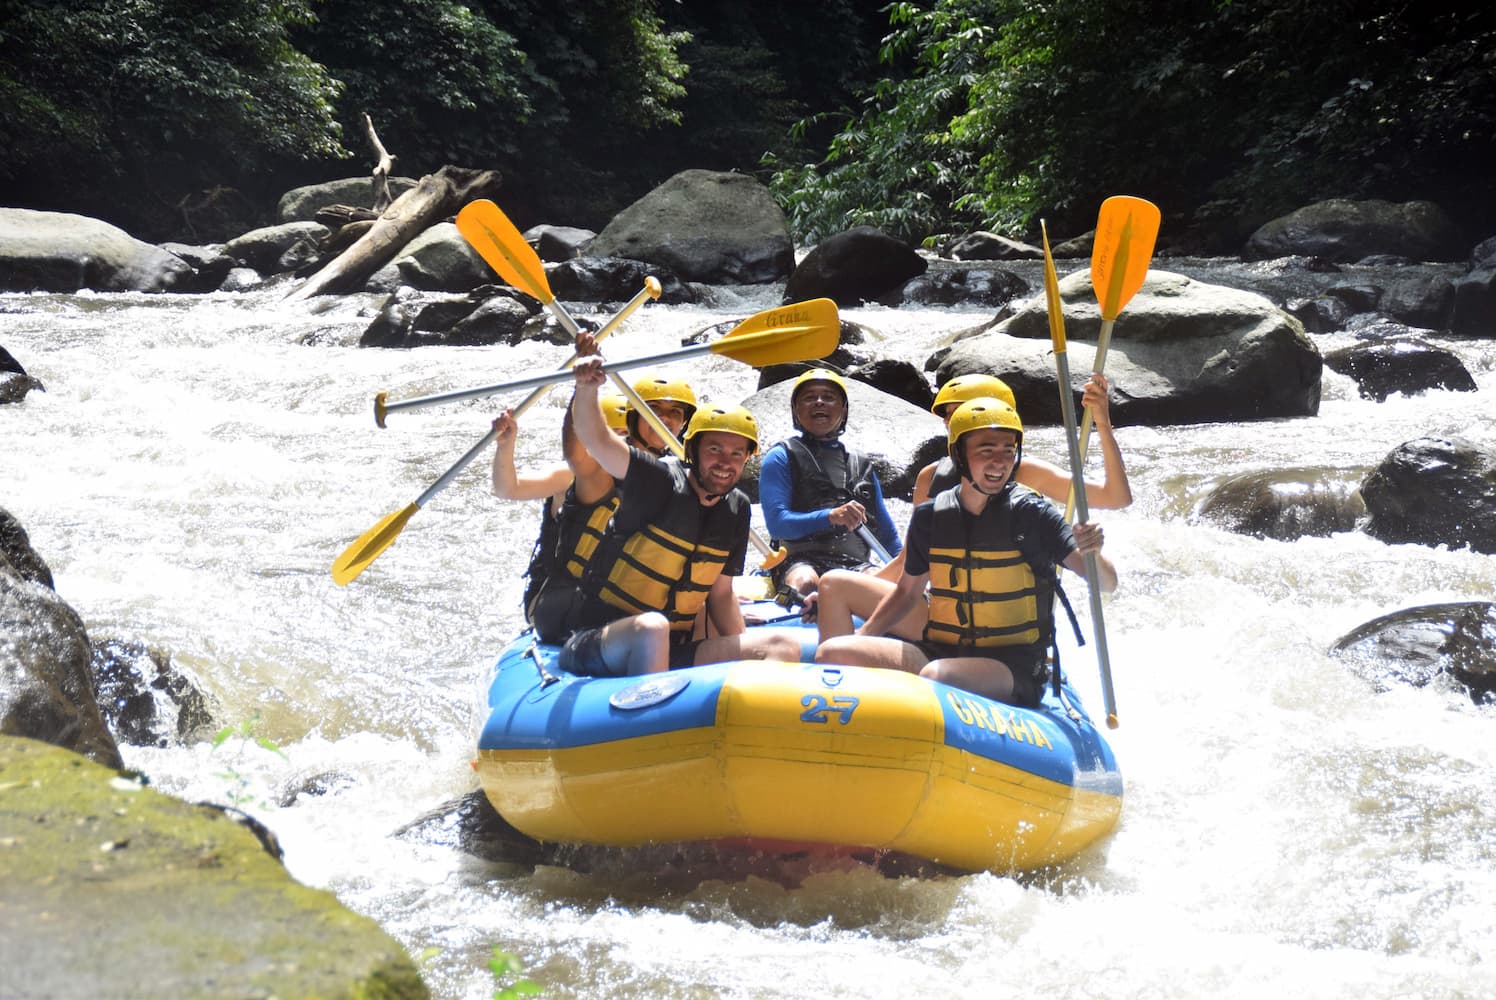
(799, 754)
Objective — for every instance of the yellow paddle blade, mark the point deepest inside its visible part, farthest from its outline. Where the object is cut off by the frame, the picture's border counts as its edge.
(367, 547)
(1052, 296)
(1125, 233)
(801, 331)
(491, 233)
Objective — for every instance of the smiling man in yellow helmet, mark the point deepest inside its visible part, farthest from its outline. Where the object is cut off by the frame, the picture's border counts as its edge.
(677, 537)
(988, 551)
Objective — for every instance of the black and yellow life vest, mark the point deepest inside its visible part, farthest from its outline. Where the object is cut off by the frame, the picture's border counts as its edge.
(567, 539)
(669, 563)
(985, 590)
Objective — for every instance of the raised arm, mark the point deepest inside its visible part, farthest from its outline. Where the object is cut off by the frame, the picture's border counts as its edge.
(591, 427)
(1113, 491)
(510, 484)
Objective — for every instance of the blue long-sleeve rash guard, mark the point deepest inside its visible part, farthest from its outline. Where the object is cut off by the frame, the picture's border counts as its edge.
(774, 488)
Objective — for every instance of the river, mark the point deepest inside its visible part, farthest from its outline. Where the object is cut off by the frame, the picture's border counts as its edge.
(195, 466)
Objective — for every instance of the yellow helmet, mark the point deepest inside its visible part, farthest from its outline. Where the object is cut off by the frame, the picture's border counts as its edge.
(819, 375)
(976, 414)
(729, 419)
(655, 388)
(964, 387)
(615, 410)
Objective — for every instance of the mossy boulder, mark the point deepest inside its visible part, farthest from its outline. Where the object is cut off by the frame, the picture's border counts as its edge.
(108, 888)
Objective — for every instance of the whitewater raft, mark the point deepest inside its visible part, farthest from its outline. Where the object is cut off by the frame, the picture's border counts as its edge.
(793, 756)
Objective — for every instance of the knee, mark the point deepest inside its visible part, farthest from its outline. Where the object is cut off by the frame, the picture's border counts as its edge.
(829, 652)
(653, 625)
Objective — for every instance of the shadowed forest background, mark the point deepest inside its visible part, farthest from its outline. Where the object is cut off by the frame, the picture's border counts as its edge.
(181, 120)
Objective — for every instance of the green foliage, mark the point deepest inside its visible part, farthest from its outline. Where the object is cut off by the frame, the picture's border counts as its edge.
(238, 789)
(504, 964)
(153, 99)
(999, 111)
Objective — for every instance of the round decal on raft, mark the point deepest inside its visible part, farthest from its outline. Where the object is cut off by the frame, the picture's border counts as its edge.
(650, 692)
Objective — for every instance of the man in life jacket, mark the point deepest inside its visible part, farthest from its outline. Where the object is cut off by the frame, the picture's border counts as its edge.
(843, 595)
(678, 536)
(988, 549)
(549, 485)
(816, 493)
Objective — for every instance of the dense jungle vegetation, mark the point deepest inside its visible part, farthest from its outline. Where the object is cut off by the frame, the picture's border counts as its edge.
(179, 119)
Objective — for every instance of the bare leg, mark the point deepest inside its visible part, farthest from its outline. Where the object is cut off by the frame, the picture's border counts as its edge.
(845, 593)
(977, 674)
(640, 644)
(781, 644)
(801, 578)
(872, 651)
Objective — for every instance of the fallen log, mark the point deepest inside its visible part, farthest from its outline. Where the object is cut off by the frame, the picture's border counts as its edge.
(437, 196)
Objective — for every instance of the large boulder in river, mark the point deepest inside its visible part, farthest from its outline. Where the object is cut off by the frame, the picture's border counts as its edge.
(46, 685)
(707, 226)
(62, 252)
(863, 264)
(1434, 491)
(1415, 646)
(1407, 365)
(1347, 231)
(899, 437)
(1283, 504)
(1183, 351)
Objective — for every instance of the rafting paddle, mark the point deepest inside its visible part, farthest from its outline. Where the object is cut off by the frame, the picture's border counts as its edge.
(367, 547)
(1067, 407)
(800, 332)
(1126, 229)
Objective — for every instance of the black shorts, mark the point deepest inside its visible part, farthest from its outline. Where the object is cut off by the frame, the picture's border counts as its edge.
(582, 653)
(1028, 665)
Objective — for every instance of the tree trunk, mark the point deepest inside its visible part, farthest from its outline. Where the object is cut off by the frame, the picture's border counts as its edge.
(436, 197)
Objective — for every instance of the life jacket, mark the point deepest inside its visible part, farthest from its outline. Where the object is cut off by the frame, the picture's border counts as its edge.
(986, 590)
(815, 487)
(565, 544)
(669, 563)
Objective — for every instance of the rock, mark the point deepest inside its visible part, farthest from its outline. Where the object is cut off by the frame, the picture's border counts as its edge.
(1183, 351)
(982, 245)
(614, 279)
(108, 888)
(16, 554)
(1426, 301)
(859, 265)
(559, 243)
(1405, 365)
(13, 387)
(210, 265)
(899, 437)
(146, 698)
(707, 226)
(1348, 231)
(964, 286)
(46, 687)
(1434, 491)
(302, 204)
(62, 252)
(1474, 311)
(1417, 645)
(272, 249)
(441, 260)
(1283, 504)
